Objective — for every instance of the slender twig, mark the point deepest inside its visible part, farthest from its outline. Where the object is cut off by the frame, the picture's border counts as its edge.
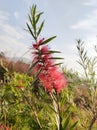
(92, 122)
(56, 109)
(34, 111)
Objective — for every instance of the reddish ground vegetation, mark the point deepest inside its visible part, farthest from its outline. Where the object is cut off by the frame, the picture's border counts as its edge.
(12, 66)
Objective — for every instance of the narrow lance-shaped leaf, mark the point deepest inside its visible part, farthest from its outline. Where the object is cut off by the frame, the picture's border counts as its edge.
(34, 25)
(78, 47)
(30, 31)
(33, 10)
(66, 111)
(30, 20)
(82, 50)
(66, 123)
(38, 16)
(79, 62)
(56, 58)
(85, 54)
(73, 126)
(53, 109)
(60, 123)
(51, 51)
(48, 40)
(40, 28)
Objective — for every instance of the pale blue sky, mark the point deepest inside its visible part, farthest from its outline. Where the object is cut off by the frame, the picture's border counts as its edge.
(67, 19)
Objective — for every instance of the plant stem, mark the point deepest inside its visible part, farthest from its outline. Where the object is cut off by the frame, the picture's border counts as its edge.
(56, 109)
(92, 123)
(34, 111)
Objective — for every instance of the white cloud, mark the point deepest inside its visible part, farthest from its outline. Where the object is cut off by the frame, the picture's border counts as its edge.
(14, 47)
(90, 2)
(4, 16)
(11, 31)
(89, 26)
(91, 41)
(86, 24)
(12, 39)
(70, 62)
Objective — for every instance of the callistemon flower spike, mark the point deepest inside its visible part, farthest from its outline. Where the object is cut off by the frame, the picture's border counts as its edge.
(50, 76)
(43, 62)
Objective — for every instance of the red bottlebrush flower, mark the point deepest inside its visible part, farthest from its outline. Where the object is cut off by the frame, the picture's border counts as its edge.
(50, 77)
(36, 69)
(35, 59)
(20, 84)
(45, 80)
(60, 82)
(45, 58)
(44, 50)
(41, 41)
(48, 65)
(36, 46)
(35, 53)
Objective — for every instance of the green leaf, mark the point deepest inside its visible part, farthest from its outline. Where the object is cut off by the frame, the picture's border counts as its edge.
(52, 109)
(40, 28)
(30, 20)
(79, 62)
(34, 25)
(66, 111)
(31, 31)
(56, 58)
(57, 64)
(85, 55)
(51, 51)
(60, 123)
(72, 127)
(33, 10)
(66, 123)
(48, 40)
(38, 16)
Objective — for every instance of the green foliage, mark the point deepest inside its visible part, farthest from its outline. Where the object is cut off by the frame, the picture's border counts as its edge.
(27, 111)
(89, 67)
(33, 27)
(48, 40)
(27, 108)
